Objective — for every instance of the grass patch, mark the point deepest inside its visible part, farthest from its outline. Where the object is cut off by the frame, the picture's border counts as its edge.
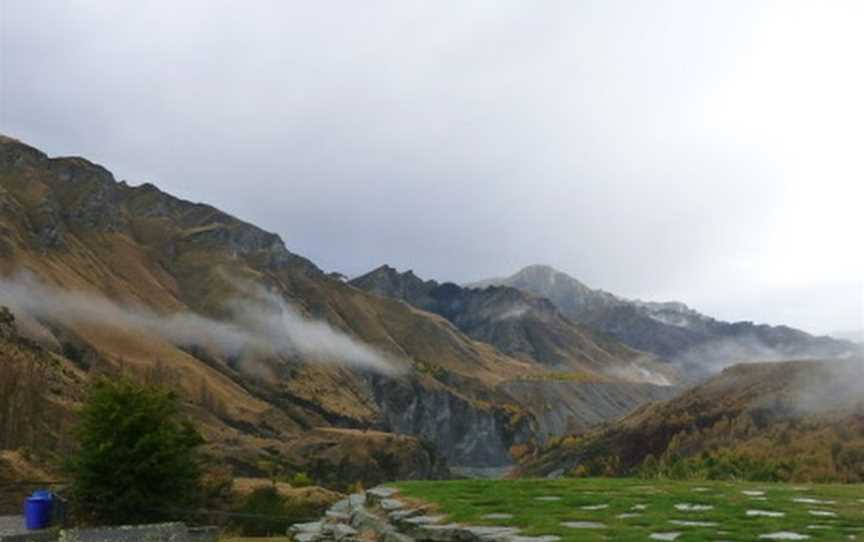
(649, 506)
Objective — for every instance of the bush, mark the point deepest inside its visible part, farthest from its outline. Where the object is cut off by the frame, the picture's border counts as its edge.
(301, 479)
(136, 459)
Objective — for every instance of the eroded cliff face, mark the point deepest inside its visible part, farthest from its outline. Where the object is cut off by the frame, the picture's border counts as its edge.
(467, 433)
(565, 408)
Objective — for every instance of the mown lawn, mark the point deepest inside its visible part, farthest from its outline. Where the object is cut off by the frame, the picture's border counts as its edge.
(649, 507)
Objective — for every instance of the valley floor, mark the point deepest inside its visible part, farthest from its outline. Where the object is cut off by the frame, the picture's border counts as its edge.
(630, 509)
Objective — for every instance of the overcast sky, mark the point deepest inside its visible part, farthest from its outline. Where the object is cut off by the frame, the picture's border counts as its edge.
(709, 152)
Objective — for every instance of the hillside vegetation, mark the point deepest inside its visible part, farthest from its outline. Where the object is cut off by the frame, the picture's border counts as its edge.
(277, 361)
(789, 421)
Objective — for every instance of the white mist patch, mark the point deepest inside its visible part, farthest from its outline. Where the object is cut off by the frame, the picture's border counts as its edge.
(263, 322)
(639, 373)
(513, 313)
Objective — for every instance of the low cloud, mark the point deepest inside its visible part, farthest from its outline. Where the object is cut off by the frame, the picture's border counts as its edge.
(262, 321)
(715, 355)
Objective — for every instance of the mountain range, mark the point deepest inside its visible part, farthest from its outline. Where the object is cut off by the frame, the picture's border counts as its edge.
(272, 354)
(699, 344)
(381, 377)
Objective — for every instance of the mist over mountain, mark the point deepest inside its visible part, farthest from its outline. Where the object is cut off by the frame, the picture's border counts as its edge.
(520, 324)
(672, 330)
(804, 420)
(853, 335)
(273, 355)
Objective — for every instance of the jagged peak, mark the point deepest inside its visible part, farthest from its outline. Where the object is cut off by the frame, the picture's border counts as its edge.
(112, 200)
(393, 275)
(13, 151)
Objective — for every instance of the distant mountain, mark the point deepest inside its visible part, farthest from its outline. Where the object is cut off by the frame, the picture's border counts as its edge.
(265, 348)
(274, 358)
(593, 378)
(671, 330)
(856, 336)
(520, 324)
(798, 420)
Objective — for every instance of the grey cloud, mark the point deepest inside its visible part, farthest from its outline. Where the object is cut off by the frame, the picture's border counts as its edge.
(262, 323)
(649, 149)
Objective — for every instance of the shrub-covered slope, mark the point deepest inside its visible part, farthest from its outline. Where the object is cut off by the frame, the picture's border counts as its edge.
(801, 420)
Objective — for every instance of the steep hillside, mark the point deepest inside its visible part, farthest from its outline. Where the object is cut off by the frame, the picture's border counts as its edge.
(671, 330)
(584, 379)
(263, 344)
(799, 420)
(522, 325)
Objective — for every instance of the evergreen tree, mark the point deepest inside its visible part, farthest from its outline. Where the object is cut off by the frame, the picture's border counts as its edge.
(136, 458)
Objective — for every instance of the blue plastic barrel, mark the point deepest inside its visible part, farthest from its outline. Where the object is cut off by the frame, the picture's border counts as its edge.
(43, 493)
(37, 512)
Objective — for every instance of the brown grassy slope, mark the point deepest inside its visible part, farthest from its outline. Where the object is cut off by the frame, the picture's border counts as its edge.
(768, 411)
(67, 222)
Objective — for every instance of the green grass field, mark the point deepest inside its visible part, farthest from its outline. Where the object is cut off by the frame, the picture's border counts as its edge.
(628, 509)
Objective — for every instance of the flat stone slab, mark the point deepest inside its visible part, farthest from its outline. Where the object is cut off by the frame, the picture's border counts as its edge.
(424, 520)
(784, 535)
(807, 500)
(342, 531)
(362, 519)
(639, 507)
(356, 500)
(399, 515)
(391, 504)
(753, 493)
(547, 498)
(498, 515)
(492, 532)
(381, 492)
(690, 507)
(340, 507)
(823, 513)
(595, 507)
(310, 527)
(164, 532)
(583, 525)
(629, 515)
(688, 523)
(765, 513)
(665, 536)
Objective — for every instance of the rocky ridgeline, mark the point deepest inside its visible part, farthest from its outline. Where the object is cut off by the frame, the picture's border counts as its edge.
(379, 515)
